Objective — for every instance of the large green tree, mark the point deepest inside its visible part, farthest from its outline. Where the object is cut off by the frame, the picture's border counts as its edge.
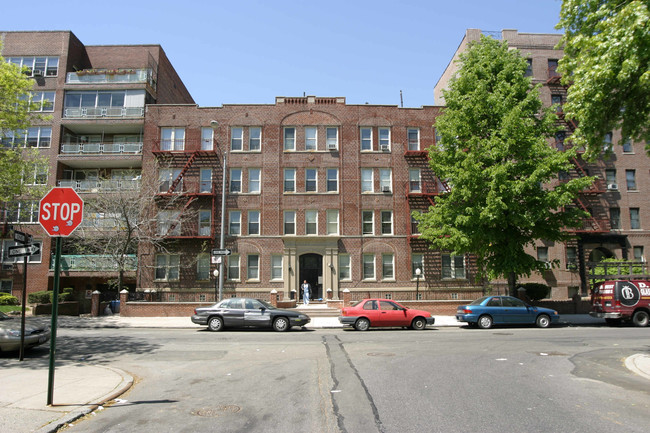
(607, 65)
(15, 116)
(494, 155)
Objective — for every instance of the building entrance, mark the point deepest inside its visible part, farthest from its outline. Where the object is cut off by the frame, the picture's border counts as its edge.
(311, 269)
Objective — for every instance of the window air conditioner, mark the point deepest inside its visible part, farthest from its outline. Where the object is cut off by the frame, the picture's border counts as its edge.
(547, 265)
(385, 188)
(37, 73)
(384, 148)
(331, 146)
(612, 187)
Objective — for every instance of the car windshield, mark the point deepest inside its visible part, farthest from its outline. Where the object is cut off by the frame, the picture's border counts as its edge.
(479, 301)
(266, 304)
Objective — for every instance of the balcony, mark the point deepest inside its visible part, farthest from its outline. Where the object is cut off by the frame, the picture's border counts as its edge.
(102, 149)
(94, 263)
(103, 112)
(110, 76)
(94, 186)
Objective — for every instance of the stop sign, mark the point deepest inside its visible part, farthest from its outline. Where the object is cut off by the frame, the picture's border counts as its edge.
(61, 211)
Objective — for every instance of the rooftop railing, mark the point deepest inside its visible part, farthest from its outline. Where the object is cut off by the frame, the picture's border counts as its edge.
(109, 76)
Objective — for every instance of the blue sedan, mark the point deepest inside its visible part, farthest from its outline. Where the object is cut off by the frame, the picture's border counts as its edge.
(504, 310)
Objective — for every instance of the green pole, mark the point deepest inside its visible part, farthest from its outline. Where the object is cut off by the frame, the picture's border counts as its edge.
(55, 314)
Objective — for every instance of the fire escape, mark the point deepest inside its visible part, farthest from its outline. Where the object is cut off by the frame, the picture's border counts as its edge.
(188, 186)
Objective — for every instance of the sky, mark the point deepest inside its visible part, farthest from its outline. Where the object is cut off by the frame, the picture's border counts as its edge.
(250, 51)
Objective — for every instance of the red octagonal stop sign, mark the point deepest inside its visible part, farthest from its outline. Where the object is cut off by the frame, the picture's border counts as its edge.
(61, 211)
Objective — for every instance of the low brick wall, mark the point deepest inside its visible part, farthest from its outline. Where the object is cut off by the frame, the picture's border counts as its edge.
(65, 309)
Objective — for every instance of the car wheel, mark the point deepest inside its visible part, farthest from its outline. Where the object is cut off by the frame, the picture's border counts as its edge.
(543, 321)
(215, 324)
(418, 324)
(640, 318)
(485, 322)
(281, 324)
(362, 324)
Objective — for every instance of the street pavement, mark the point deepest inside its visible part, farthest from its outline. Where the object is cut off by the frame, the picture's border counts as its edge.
(81, 389)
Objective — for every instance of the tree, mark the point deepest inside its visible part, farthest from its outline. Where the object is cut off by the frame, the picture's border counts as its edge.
(607, 65)
(15, 117)
(502, 173)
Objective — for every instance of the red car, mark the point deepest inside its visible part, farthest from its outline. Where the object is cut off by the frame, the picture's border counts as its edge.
(383, 312)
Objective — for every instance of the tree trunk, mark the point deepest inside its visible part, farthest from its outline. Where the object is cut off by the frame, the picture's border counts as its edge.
(512, 282)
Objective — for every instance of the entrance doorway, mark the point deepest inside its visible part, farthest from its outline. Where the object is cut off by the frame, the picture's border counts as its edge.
(311, 269)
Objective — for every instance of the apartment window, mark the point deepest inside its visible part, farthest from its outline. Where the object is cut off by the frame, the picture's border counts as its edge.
(607, 142)
(529, 68)
(627, 146)
(556, 100)
(542, 254)
(332, 138)
(253, 222)
(385, 176)
(560, 136)
(43, 101)
(311, 222)
(417, 262)
(635, 221)
(276, 267)
(453, 266)
(37, 66)
(610, 177)
(235, 180)
(205, 185)
(35, 174)
(344, 267)
(387, 267)
(630, 179)
(614, 218)
(414, 180)
(255, 139)
(332, 222)
(254, 182)
(289, 138)
(289, 180)
(367, 181)
(234, 226)
(367, 222)
(233, 267)
(167, 266)
(638, 254)
(366, 139)
(413, 139)
(368, 267)
(386, 222)
(384, 138)
(236, 139)
(207, 138)
(253, 267)
(6, 286)
(172, 139)
(311, 136)
(415, 225)
(22, 211)
(203, 267)
(166, 177)
(31, 137)
(311, 182)
(289, 222)
(552, 68)
(571, 258)
(332, 180)
(205, 220)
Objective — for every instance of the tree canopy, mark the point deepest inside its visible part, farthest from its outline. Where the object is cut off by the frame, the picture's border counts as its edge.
(607, 65)
(494, 154)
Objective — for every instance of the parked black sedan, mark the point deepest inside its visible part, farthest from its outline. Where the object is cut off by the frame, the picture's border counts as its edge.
(247, 313)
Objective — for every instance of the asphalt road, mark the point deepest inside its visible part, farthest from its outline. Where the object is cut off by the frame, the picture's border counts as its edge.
(569, 379)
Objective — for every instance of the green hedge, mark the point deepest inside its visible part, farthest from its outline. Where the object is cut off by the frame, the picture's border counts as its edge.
(46, 296)
(7, 299)
(536, 291)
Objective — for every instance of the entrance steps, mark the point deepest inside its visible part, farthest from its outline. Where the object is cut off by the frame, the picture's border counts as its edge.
(318, 309)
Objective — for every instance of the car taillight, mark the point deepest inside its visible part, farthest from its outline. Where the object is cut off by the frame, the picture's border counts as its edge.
(464, 310)
(195, 311)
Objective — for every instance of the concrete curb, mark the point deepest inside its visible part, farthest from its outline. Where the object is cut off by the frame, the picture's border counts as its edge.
(639, 364)
(121, 388)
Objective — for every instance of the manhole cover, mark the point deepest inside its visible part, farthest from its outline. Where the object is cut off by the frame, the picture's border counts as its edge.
(217, 411)
(380, 354)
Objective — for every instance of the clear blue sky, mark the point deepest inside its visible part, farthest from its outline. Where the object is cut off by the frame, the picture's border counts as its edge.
(250, 51)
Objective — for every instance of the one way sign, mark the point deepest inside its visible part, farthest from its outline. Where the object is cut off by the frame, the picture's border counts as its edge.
(24, 250)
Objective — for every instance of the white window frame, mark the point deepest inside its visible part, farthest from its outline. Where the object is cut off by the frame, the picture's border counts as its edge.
(45, 101)
(386, 223)
(254, 180)
(452, 273)
(253, 219)
(368, 263)
(367, 180)
(235, 184)
(345, 271)
(388, 266)
(311, 138)
(207, 138)
(332, 140)
(385, 180)
(289, 180)
(255, 139)
(384, 139)
(167, 263)
(166, 219)
(205, 222)
(205, 181)
(203, 267)
(314, 179)
(417, 262)
(289, 222)
(233, 267)
(234, 223)
(289, 140)
(334, 179)
(332, 222)
(236, 139)
(276, 267)
(253, 267)
(311, 220)
(172, 139)
(415, 180)
(366, 142)
(413, 145)
(367, 217)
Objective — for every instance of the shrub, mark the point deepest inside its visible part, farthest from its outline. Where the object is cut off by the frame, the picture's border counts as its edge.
(7, 299)
(536, 291)
(45, 296)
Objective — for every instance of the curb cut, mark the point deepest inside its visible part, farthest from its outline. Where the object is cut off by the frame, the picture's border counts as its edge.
(632, 364)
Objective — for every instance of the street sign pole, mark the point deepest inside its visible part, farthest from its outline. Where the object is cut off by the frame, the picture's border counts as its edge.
(22, 316)
(55, 314)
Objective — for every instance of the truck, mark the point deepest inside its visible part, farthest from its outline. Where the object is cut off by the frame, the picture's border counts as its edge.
(619, 301)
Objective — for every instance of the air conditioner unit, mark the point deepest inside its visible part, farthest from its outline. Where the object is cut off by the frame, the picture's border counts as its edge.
(331, 146)
(547, 265)
(612, 187)
(384, 148)
(385, 188)
(37, 73)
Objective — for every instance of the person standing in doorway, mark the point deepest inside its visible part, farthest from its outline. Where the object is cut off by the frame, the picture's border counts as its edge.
(306, 289)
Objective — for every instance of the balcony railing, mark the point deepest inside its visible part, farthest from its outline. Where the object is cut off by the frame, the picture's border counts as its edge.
(109, 76)
(99, 112)
(96, 263)
(100, 185)
(102, 148)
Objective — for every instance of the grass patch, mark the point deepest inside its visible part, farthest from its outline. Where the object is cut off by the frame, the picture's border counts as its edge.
(9, 308)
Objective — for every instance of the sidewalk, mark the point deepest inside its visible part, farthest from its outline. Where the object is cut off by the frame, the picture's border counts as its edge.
(79, 389)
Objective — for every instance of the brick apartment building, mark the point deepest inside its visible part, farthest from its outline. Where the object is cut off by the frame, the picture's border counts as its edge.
(94, 98)
(618, 200)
